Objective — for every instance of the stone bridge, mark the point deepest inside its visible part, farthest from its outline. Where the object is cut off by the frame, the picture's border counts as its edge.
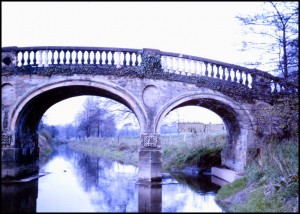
(149, 82)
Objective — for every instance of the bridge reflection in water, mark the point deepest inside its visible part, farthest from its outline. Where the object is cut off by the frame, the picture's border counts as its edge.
(80, 183)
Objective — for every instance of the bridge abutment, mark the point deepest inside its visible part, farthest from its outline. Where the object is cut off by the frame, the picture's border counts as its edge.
(19, 162)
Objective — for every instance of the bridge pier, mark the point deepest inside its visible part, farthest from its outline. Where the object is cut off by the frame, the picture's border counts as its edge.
(150, 159)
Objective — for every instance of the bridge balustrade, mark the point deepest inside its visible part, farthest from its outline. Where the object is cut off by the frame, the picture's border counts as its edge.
(45, 56)
(171, 63)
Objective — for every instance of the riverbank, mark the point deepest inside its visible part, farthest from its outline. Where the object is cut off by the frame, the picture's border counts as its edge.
(186, 153)
(269, 186)
(124, 150)
(45, 148)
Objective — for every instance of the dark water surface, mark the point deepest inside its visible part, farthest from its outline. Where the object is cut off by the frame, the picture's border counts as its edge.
(77, 182)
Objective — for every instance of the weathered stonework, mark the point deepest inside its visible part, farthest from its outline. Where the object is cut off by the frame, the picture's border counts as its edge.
(150, 141)
(150, 88)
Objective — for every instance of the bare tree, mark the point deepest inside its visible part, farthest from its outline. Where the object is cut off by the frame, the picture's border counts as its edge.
(86, 118)
(96, 118)
(274, 31)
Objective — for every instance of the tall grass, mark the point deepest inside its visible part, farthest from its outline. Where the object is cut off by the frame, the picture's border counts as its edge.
(184, 149)
(273, 184)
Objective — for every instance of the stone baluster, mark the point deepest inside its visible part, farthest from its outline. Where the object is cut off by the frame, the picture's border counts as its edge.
(76, 57)
(165, 63)
(130, 58)
(58, 57)
(218, 71)
(106, 57)
(100, 59)
(193, 67)
(40, 58)
(95, 56)
(241, 77)
(200, 68)
(124, 60)
(22, 60)
(70, 57)
(34, 57)
(52, 57)
(229, 74)
(89, 57)
(223, 72)
(109, 57)
(234, 72)
(246, 81)
(254, 80)
(28, 57)
(64, 57)
(118, 59)
(112, 57)
(181, 66)
(188, 67)
(206, 69)
(136, 59)
(46, 57)
(177, 65)
(82, 57)
(171, 64)
(212, 70)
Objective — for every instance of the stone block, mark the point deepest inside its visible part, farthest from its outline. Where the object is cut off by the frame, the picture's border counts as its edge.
(156, 172)
(225, 174)
(8, 154)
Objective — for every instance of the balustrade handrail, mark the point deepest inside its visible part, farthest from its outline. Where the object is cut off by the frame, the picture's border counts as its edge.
(65, 48)
(223, 64)
(235, 73)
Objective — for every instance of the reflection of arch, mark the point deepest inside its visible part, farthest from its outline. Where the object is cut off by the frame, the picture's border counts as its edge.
(235, 117)
(28, 112)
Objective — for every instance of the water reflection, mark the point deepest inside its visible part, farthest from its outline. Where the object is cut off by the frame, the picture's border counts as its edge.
(19, 197)
(57, 190)
(150, 198)
(80, 183)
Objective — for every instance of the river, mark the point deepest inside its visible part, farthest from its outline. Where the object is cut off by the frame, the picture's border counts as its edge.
(75, 182)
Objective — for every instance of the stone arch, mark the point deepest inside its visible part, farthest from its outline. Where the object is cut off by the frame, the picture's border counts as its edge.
(28, 112)
(236, 117)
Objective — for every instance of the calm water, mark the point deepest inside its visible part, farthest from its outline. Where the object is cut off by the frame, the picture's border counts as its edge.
(77, 182)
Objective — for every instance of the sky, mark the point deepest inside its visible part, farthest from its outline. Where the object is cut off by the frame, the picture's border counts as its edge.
(203, 29)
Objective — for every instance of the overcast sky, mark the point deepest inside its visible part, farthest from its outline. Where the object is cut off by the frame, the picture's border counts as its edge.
(204, 29)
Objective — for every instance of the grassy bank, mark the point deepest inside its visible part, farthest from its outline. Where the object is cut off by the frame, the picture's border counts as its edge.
(45, 146)
(119, 149)
(201, 150)
(270, 185)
